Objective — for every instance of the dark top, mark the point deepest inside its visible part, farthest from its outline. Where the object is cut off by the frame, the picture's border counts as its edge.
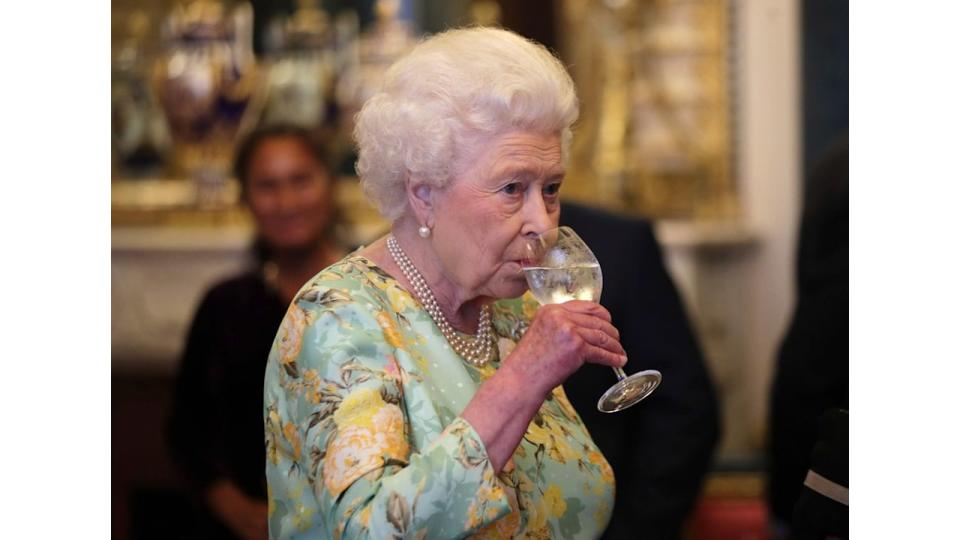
(812, 374)
(661, 448)
(216, 428)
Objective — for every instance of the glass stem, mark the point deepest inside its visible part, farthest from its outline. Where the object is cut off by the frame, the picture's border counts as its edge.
(620, 374)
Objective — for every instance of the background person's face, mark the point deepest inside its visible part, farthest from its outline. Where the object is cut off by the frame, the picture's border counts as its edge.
(509, 188)
(289, 194)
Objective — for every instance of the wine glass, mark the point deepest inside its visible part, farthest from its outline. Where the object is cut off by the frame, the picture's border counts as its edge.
(560, 267)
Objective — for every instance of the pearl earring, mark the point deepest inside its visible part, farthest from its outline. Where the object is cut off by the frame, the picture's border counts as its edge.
(424, 231)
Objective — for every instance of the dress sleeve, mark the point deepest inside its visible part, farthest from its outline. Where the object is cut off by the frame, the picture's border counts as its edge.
(340, 461)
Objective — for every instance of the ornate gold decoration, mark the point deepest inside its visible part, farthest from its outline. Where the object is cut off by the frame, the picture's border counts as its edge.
(653, 77)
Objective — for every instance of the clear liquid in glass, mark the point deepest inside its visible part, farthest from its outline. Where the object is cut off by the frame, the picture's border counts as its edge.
(562, 268)
(558, 285)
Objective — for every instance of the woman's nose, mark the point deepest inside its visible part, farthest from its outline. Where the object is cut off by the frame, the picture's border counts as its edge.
(538, 217)
(287, 198)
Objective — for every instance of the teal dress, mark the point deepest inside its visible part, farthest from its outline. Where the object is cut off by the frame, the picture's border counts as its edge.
(362, 397)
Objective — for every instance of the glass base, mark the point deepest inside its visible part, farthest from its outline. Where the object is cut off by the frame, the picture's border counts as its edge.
(629, 391)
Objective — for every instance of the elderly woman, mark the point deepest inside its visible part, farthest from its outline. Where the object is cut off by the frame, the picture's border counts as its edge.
(413, 389)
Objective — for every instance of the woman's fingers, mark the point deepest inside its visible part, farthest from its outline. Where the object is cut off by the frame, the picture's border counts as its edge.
(595, 323)
(587, 308)
(602, 340)
(597, 355)
(562, 337)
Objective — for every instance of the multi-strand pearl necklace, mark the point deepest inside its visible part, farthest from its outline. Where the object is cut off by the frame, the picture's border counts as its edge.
(476, 351)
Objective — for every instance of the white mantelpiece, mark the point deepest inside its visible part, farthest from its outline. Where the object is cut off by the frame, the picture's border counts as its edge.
(158, 275)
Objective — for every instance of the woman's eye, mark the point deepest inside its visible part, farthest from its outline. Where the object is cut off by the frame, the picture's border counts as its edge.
(512, 188)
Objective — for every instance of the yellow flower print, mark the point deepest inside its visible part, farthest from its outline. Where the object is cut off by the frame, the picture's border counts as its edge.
(312, 384)
(538, 434)
(606, 480)
(543, 432)
(291, 435)
(326, 276)
(356, 451)
(302, 517)
(606, 472)
(389, 420)
(537, 520)
(365, 516)
(400, 300)
(561, 398)
(483, 506)
(553, 499)
(390, 332)
(290, 335)
(530, 306)
(272, 432)
(295, 491)
(271, 502)
(358, 408)
(502, 529)
(602, 514)
(370, 432)
(562, 451)
(422, 364)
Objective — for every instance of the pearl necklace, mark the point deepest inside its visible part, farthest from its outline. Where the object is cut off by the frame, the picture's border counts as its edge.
(476, 351)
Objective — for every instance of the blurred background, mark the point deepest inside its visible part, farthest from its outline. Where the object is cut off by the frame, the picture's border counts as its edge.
(705, 116)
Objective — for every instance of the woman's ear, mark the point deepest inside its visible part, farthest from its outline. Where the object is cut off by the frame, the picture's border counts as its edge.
(420, 196)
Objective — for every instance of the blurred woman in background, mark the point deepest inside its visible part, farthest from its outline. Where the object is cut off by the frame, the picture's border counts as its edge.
(216, 429)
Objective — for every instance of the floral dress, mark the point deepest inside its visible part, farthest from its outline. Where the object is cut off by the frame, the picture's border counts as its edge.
(364, 439)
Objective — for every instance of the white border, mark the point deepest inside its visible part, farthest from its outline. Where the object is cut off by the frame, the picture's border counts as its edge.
(55, 223)
(905, 269)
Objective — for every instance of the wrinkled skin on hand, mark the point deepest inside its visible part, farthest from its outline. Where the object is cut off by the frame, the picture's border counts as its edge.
(561, 337)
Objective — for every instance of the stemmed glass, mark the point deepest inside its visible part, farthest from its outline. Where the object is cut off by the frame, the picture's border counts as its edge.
(560, 267)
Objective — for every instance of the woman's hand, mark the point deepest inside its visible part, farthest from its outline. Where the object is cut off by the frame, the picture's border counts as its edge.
(245, 516)
(561, 337)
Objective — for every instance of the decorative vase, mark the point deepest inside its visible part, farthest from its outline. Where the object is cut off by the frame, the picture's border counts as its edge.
(299, 81)
(139, 135)
(208, 86)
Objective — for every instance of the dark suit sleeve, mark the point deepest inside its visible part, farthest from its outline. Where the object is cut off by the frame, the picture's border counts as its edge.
(672, 435)
(661, 448)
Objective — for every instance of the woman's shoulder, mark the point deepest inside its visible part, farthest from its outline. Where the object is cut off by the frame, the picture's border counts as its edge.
(334, 320)
(353, 276)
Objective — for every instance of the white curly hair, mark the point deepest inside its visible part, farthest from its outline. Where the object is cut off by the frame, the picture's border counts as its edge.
(450, 89)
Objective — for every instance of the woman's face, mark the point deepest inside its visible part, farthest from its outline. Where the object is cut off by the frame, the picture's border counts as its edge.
(289, 194)
(507, 189)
